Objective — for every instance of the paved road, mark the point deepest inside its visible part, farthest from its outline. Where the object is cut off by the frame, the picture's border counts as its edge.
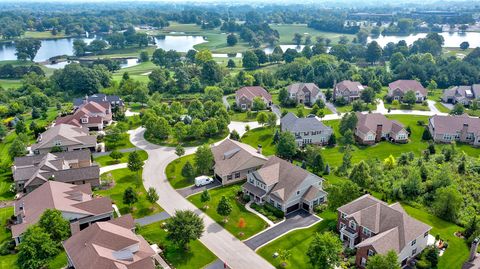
(152, 218)
(297, 220)
(187, 191)
(277, 111)
(223, 244)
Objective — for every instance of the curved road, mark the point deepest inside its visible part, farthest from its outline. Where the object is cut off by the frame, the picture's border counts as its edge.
(223, 244)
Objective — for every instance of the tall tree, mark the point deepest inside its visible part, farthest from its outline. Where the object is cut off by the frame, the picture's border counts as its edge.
(129, 197)
(342, 193)
(134, 164)
(184, 226)
(250, 60)
(387, 261)
(53, 223)
(448, 202)
(286, 146)
(36, 249)
(374, 52)
(204, 160)
(27, 49)
(324, 251)
(360, 174)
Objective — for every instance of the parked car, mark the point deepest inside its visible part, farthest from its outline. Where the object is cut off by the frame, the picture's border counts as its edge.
(203, 180)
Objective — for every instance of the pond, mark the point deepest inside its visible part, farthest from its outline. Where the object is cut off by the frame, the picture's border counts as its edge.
(178, 43)
(452, 40)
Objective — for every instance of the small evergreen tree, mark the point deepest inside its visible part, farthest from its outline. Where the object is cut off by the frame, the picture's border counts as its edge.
(224, 208)
(187, 170)
(129, 197)
(205, 197)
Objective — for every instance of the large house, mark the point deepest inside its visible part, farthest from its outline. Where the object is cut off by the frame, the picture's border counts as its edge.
(234, 160)
(114, 100)
(461, 128)
(461, 94)
(109, 244)
(75, 202)
(285, 186)
(92, 115)
(374, 227)
(373, 127)
(244, 96)
(397, 89)
(65, 137)
(305, 93)
(308, 130)
(347, 90)
(73, 167)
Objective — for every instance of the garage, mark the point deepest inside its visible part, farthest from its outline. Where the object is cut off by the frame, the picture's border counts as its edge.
(293, 208)
(306, 207)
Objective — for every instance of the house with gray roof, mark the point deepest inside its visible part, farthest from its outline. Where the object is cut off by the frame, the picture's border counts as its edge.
(374, 227)
(308, 130)
(65, 137)
(347, 90)
(234, 160)
(114, 100)
(305, 93)
(398, 88)
(462, 128)
(285, 186)
(75, 167)
(75, 202)
(373, 127)
(461, 94)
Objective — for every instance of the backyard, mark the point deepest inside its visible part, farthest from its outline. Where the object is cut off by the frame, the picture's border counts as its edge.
(261, 136)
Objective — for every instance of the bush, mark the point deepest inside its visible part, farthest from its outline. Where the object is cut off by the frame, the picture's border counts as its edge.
(424, 103)
(7, 247)
(420, 123)
(423, 264)
(275, 211)
(320, 208)
(246, 198)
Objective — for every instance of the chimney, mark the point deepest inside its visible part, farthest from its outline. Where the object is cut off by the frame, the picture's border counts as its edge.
(463, 134)
(259, 149)
(85, 100)
(473, 249)
(378, 132)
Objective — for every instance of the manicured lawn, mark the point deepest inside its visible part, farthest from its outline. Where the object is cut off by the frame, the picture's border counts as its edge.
(10, 261)
(305, 110)
(457, 251)
(107, 160)
(43, 35)
(123, 179)
(254, 224)
(124, 143)
(441, 107)
(435, 95)
(297, 242)
(348, 108)
(174, 172)
(5, 214)
(60, 261)
(198, 255)
(261, 136)
(172, 142)
(243, 116)
(287, 31)
(406, 107)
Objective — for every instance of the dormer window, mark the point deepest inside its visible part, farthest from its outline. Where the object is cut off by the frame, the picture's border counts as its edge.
(414, 242)
(57, 143)
(352, 225)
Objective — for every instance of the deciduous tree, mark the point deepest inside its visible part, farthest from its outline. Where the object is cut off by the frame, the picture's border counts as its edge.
(184, 226)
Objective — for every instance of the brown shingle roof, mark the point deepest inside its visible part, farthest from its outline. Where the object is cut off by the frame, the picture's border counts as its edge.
(252, 92)
(369, 121)
(68, 135)
(310, 87)
(351, 86)
(89, 110)
(407, 85)
(452, 124)
(231, 155)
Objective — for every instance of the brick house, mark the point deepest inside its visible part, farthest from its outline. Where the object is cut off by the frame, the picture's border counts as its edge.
(244, 97)
(397, 89)
(305, 93)
(373, 127)
(347, 90)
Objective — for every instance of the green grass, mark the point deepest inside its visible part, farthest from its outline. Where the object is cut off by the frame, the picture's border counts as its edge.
(348, 108)
(254, 224)
(172, 142)
(174, 172)
(5, 214)
(416, 106)
(10, 83)
(198, 256)
(297, 242)
(60, 261)
(441, 107)
(435, 95)
(287, 31)
(123, 179)
(457, 251)
(43, 35)
(107, 160)
(261, 136)
(124, 143)
(8, 261)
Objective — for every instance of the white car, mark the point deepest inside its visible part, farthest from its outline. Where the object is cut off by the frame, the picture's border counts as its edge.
(203, 180)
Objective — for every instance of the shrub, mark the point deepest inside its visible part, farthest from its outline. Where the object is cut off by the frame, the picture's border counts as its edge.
(320, 208)
(423, 264)
(246, 198)
(7, 247)
(395, 103)
(420, 123)
(275, 211)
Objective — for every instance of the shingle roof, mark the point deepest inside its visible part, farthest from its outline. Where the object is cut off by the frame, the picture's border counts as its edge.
(407, 85)
(310, 87)
(67, 134)
(109, 245)
(98, 97)
(90, 110)
(57, 195)
(453, 124)
(290, 122)
(368, 122)
(231, 155)
(351, 86)
(254, 91)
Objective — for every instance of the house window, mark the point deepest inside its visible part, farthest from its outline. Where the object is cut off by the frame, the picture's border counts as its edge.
(298, 192)
(342, 225)
(366, 231)
(229, 177)
(237, 174)
(414, 251)
(57, 143)
(414, 242)
(447, 137)
(84, 120)
(370, 137)
(305, 133)
(370, 253)
(321, 200)
(252, 181)
(352, 225)
(344, 216)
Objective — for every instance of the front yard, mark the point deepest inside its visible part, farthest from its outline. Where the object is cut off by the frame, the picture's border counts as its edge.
(174, 172)
(416, 106)
(261, 136)
(107, 160)
(251, 225)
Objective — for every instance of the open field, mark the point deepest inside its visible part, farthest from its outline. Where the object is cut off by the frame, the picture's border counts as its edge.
(10, 83)
(287, 31)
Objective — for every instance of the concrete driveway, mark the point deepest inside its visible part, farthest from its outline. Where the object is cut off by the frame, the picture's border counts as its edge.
(297, 220)
(191, 190)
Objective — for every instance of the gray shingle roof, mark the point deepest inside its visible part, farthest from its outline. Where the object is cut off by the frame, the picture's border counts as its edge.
(407, 85)
(290, 122)
(231, 155)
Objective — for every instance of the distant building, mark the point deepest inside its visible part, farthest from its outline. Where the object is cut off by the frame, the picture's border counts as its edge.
(397, 89)
(461, 94)
(308, 130)
(93, 115)
(374, 227)
(244, 97)
(305, 93)
(373, 127)
(347, 90)
(446, 129)
(74, 201)
(65, 137)
(114, 100)
(73, 167)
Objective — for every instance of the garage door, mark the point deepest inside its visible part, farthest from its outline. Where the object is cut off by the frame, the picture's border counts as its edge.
(293, 208)
(306, 206)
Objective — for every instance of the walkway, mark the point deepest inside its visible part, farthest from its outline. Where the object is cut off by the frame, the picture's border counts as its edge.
(152, 218)
(112, 167)
(225, 102)
(191, 190)
(331, 107)
(223, 244)
(129, 113)
(297, 220)
(249, 208)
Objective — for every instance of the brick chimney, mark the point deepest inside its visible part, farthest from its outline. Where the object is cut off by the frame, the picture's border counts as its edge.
(378, 132)
(463, 133)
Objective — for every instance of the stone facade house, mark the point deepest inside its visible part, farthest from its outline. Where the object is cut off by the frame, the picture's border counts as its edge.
(92, 115)
(74, 167)
(110, 244)
(397, 89)
(75, 202)
(347, 90)
(308, 130)
(114, 100)
(373, 127)
(285, 186)
(305, 93)
(461, 94)
(374, 227)
(234, 160)
(244, 97)
(445, 129)
(66, 137)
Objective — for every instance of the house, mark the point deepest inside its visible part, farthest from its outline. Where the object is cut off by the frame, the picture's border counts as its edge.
(244, 96)
(347, 90)
(109, 244)
(397, 89)
(74, 167)
(463, 128)
(233, 160)
(74, 201)
(308, 130)
(305, 93)
(373, 127)
(374, 227)
(93, 115)
(461, 94)
(65, 137)
(285, 186)
(114, 100)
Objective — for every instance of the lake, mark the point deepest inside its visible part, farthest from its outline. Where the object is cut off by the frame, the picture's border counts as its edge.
(452, 40)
